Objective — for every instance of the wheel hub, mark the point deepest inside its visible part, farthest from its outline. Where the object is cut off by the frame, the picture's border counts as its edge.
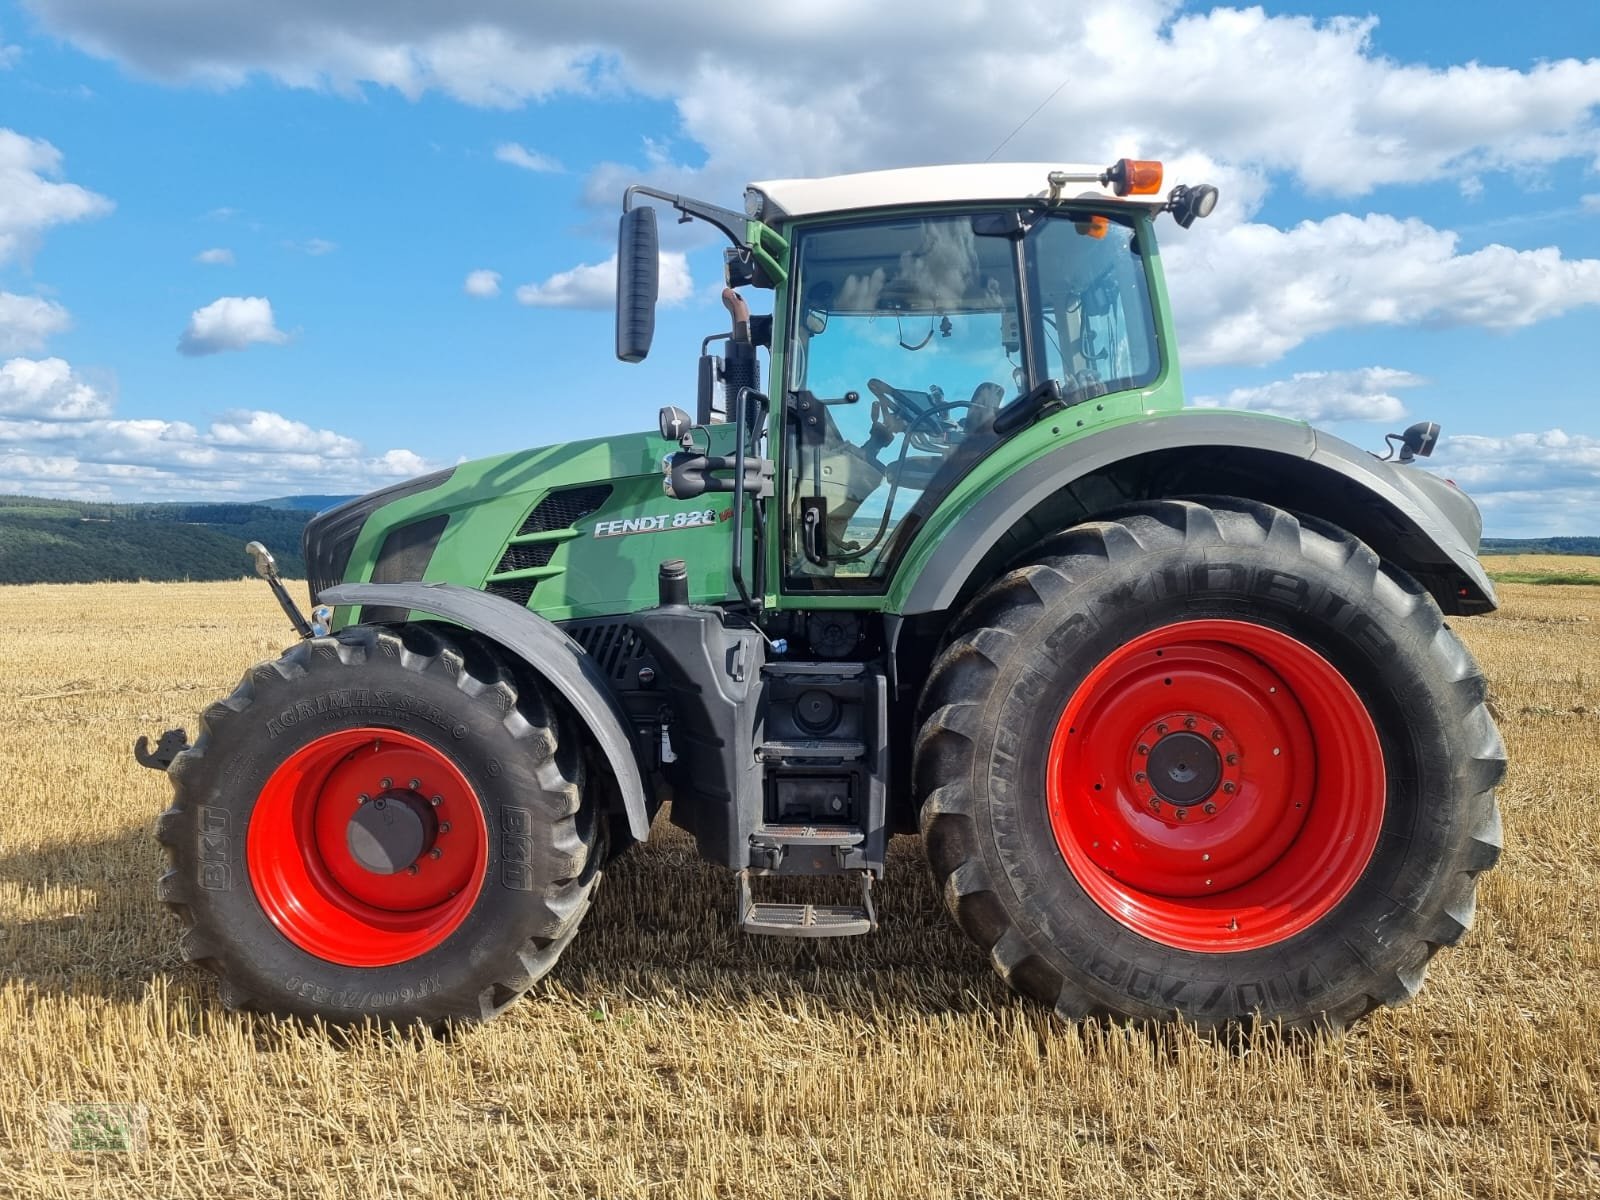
(1184, 769)
(391, 832)
(367, 847)
(1216, 785)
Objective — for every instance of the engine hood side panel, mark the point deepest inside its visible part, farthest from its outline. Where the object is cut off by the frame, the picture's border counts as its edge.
(604, 563)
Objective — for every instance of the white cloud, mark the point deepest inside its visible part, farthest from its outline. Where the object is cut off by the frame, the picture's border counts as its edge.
(257, 430)
(27, 322)
(1250, 293)
(1528, 484)
(9, 56)
(594, 285)
(1317, 100)
(529, 160)
(48, 389)
(244, 454)
(1591, 202)
(483, 284)
(1362, 395)
(231, 323)
(316, 247)
(32, 198)
(217, 256)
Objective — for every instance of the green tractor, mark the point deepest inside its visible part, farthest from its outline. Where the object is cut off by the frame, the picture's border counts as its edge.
(1169, 693)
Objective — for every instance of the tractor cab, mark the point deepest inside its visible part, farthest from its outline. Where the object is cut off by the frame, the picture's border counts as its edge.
(913, 335)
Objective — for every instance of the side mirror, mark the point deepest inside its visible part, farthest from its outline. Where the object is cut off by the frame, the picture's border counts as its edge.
(638, 282)
(674, 423)
(708, 410)
(1419, 440)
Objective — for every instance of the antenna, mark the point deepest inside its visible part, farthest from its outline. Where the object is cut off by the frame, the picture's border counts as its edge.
(990, 156)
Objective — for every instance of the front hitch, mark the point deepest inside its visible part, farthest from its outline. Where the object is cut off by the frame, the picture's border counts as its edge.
(171, 744)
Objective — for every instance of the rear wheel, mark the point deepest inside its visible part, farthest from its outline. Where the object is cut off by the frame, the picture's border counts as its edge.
(1209, 762)
(380, 823)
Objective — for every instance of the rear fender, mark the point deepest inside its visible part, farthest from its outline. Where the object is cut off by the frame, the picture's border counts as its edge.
(546, 650)
(1416, 520)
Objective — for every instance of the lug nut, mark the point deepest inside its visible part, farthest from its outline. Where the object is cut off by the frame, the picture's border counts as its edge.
(385, 784)
(1143, 749)
(412, 869)
(1155, 805)
(1189, 722)
(436, 800)
(1138, 777)
(1230, 787)
(1181, 814)
(1210, 808)
(444, 826)
(436, 853)
(1216, 735)
(363, 798)
(1205, 858)
(1161, 728)
(416, 784)
(1232, 760)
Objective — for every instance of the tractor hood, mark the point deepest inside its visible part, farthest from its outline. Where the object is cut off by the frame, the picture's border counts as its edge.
(575, 529)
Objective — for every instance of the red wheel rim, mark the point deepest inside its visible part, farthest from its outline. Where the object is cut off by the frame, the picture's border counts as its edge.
(1216, 785)
(312, 882)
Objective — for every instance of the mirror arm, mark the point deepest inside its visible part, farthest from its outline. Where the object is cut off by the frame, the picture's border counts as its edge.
(734, 225)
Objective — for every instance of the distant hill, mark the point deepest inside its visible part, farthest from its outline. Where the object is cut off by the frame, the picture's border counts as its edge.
(310, 503)
(1552, 545)
(70, 541)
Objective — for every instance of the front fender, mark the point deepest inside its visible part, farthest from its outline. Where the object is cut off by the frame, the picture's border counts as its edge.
(1408, 516)
(546, 649)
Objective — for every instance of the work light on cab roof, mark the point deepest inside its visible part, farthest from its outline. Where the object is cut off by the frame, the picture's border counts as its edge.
(1168, 692)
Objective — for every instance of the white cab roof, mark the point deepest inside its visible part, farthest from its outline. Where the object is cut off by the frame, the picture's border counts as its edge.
(955, 183)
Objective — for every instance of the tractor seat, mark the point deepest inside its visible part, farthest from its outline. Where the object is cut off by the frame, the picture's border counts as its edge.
(915, 471)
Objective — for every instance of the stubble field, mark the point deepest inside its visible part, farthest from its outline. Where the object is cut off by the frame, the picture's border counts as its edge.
(669, 1056)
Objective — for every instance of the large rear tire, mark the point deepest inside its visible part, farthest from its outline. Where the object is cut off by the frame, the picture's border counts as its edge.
(1208, 762)
(384, 824)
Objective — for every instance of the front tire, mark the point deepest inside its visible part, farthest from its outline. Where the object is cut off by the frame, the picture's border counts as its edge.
(1211, 762)
(382, 823)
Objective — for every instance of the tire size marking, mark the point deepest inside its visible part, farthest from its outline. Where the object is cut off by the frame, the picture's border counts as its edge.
(358, 1000)
(657, 523)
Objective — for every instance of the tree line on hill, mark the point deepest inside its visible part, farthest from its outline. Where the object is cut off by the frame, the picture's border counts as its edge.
(68, 541)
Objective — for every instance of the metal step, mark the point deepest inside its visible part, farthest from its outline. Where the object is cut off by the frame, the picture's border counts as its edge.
(806, 920)
(804, 849)
(808, 835)
(835, 670)
(774, 751)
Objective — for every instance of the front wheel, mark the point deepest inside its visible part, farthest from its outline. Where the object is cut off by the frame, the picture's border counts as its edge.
(384, 824)
(1211, 762)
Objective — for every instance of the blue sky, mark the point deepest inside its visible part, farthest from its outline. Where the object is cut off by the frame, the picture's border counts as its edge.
(1410, 223)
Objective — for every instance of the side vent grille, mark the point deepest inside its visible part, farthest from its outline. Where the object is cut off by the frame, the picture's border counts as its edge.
(564, 509)
(612, 644)
(523, 557)
(518, 591)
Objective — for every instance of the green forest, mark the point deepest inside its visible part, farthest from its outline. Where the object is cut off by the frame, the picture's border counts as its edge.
(70, 541)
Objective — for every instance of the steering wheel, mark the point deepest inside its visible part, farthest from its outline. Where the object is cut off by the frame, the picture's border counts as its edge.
(928, 432)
